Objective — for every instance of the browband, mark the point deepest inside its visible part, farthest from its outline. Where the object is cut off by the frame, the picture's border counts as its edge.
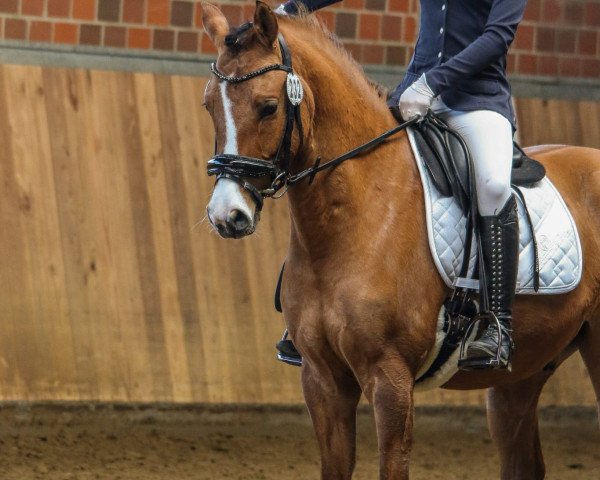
(248, 76)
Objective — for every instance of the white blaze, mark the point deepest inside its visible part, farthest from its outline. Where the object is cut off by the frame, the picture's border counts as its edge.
(227, 195)
(230, 130)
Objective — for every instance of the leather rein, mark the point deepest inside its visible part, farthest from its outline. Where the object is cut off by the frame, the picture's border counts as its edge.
(238, 167)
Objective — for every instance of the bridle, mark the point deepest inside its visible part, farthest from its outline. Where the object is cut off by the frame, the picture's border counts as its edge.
(238, 167)
(235, 167)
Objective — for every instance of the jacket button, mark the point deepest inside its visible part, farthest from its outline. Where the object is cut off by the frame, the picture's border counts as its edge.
(440, 55)
(443, 7)
(442, 30)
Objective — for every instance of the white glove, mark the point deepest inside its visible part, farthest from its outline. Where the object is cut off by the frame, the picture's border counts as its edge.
(416, 99)
(280, 10)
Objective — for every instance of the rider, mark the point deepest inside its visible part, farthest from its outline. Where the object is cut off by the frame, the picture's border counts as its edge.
(458, 70)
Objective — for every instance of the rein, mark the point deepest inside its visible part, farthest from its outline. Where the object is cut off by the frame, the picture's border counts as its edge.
(237, 167)
(317, 167)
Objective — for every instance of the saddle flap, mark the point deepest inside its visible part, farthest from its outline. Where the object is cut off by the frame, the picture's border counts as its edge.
(446, 162)
(432, 164)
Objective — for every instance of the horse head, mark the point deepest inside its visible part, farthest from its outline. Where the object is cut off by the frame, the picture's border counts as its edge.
(261, 110)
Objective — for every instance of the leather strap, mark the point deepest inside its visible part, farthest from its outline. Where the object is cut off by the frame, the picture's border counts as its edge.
(536, 259)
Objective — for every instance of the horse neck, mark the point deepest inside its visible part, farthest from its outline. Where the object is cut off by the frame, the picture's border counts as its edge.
(370, 191)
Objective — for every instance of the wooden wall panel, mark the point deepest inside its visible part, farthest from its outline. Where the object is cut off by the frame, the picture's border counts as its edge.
(114, 287)
(558, 122)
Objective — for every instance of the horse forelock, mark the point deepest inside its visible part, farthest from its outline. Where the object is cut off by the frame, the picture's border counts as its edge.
(239, 38)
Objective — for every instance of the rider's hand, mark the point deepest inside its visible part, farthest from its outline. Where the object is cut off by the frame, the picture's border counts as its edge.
(416, 99)
(280, 10)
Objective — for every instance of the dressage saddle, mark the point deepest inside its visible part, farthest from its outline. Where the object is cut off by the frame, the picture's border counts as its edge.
(445, 157)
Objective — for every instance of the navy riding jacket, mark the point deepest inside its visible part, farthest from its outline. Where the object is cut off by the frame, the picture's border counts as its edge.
(462, 49)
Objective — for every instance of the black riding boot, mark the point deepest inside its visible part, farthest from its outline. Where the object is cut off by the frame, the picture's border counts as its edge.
(500, 259)
(287, 353)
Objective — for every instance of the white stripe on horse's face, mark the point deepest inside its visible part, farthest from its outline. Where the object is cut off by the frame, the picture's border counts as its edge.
(227, 197)
(230, 129)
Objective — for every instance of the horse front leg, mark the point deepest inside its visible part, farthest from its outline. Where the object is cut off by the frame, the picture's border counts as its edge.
(332, 398)
(390, 391)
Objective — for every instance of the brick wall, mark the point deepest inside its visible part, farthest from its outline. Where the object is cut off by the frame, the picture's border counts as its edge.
(556, 37)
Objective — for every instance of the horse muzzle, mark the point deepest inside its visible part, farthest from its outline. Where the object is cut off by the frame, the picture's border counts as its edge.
(236, 225)
(229, 212)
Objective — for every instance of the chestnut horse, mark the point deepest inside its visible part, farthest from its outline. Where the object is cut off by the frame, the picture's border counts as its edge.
(360, 291)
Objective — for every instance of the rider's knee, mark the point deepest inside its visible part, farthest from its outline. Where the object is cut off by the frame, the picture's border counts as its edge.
(493, 195)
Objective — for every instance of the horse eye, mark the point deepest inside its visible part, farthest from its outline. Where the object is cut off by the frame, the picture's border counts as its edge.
(268, 109)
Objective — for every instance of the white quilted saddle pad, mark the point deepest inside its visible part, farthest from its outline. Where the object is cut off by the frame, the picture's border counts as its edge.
(559, 248)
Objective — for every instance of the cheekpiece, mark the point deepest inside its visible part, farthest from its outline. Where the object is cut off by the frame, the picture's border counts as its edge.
(295, 92)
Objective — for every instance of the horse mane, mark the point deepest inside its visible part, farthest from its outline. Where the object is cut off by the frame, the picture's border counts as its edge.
(307, 20)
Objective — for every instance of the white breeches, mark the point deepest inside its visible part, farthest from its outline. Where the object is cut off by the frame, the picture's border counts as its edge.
(489, 138)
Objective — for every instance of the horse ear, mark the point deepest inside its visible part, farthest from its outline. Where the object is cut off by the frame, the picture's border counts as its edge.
(215, 23)
(265, 22)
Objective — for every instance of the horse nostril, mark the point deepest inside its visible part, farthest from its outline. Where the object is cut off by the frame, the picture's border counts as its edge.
(238, 221)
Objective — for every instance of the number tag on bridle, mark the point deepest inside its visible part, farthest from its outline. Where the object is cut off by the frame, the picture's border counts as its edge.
(295, 92)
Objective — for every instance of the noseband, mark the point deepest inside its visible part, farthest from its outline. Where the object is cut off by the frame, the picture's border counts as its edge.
(236, 167)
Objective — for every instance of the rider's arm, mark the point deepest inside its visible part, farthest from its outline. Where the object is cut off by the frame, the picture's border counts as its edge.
(498, 34)
(291, 6)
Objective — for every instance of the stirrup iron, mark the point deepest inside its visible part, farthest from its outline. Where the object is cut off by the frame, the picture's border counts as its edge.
(285, 349)
(483, 363)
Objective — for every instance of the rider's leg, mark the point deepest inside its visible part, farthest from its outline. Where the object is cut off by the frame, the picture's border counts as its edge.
(286, 350)
(489, 138)
(492, 347)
